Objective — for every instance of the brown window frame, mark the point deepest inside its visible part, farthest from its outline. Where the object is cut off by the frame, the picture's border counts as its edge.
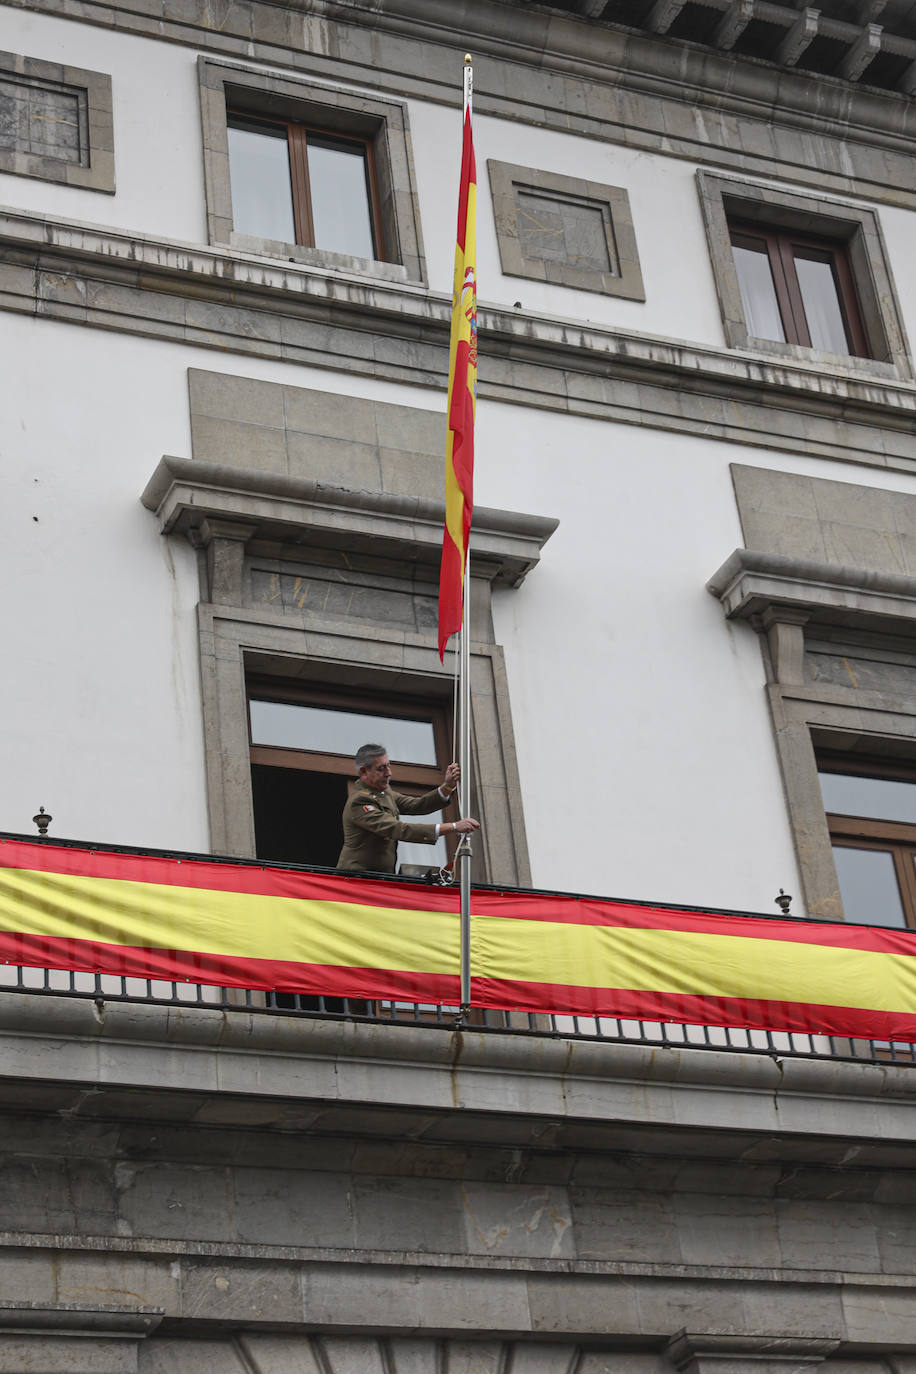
(779, 245)
(898, 838)
(297, 136)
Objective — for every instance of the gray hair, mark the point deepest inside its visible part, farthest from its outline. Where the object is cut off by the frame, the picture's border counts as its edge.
(366, 753)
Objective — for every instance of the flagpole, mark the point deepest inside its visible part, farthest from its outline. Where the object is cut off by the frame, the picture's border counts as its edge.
(454, 614)
(465, 852)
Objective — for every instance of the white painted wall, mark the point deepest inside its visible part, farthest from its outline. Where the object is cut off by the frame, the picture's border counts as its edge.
(646, 752)
(158, 158)
(100, 694)
(680, 292)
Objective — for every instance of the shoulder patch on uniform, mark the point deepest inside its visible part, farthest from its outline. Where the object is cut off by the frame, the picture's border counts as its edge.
(370, 808)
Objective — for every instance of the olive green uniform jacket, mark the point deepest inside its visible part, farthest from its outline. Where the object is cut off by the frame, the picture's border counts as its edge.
(372, 827)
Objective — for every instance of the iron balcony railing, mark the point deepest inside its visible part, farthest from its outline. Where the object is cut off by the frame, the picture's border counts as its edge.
(103, 988)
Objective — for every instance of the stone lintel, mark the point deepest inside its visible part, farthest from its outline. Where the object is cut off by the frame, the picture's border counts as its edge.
(731, 1353)
(187, 495)
(750, 583)
(73, 1338)
(422, 1292)
(79, 1318)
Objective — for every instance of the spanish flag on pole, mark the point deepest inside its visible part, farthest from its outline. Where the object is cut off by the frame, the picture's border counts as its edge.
(462, 392)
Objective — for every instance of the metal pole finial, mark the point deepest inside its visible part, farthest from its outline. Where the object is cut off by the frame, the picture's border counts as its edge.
(783, 901)
(467, 59)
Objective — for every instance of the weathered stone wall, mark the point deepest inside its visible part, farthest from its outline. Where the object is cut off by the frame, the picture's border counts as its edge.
(200, 1191)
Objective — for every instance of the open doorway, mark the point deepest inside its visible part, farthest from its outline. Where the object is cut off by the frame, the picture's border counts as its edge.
(297, 815)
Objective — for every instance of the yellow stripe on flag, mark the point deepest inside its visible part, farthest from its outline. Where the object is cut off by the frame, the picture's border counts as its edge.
(241, 925)
(686, 962)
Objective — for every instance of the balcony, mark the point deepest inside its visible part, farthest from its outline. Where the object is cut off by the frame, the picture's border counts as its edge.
(432, 1015)
(199, 1180)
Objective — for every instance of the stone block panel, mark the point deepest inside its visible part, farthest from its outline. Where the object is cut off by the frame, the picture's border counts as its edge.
(343, 441)
(830, 522)
(565, 230)
(56, 123)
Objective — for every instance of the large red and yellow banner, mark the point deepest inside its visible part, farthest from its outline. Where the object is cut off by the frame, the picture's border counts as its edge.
(462, 393)
(242, 925)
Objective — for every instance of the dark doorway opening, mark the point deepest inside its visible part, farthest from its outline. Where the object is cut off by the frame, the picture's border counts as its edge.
(297, 814)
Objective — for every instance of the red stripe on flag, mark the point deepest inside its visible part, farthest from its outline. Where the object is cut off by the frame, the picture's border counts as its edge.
(459, 457)
(686, 1009)
(461, 421)
(224, 877)
(224, 970)
(468, 174)
(451, 603)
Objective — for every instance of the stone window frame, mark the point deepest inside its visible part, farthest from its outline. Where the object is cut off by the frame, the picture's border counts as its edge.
(382, 121)
(857, 227)
(237, 518)
(808, 725)
(792, 602)
(854, 828)
(237, 645)
(97, 173)
(506, 179)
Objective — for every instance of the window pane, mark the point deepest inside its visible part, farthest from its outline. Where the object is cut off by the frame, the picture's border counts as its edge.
(758, 294)
(816, 281)
(262, 199)
(880, 799)
(340, 197)
(327, 731)
(868, 886)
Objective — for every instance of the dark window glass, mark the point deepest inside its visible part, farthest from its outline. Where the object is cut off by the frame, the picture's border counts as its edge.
(821, 299)
(882, 799)
(758, 290)
(871, 815)
(338, 177)
(797, 290)
(295, 184)
(262, 195)
(868, 886)
(293, 725)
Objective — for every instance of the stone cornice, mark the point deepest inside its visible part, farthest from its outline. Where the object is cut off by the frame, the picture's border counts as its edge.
(590, 1093)
(750, 582)
(190, 496)
(231, 301)
(85, 1318)
(562, 72)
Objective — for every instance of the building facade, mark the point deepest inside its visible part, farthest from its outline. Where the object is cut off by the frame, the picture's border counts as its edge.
(226, 243)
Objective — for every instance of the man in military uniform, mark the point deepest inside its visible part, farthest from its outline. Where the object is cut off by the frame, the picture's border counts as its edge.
(371, 820)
